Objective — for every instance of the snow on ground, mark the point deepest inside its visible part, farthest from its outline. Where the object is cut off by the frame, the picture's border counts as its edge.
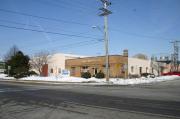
(65, 79)
(115, 81)
(143, 80)
(4, 76)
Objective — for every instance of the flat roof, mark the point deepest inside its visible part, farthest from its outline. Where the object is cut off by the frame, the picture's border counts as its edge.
(93, 57)
(67, 55)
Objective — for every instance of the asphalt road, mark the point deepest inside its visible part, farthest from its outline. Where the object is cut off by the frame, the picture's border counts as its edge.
(97, 102)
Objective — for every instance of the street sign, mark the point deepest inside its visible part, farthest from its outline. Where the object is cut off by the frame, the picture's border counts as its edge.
(9, 67)
(65, 72)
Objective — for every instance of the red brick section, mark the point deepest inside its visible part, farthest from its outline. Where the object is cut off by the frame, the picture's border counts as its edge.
(45, 70)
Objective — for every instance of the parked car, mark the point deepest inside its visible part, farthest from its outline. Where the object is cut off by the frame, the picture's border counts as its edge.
(171, 73)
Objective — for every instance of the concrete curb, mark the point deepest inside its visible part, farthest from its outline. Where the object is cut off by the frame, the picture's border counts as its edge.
(52, 82)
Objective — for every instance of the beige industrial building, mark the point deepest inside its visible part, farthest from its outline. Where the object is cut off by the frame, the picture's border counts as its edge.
(120, 66)
(117, 65)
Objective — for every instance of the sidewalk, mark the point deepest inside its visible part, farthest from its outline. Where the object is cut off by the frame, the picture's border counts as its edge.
(52, 82)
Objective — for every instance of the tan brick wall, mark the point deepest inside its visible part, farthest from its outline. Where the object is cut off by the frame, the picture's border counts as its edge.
(116, 63)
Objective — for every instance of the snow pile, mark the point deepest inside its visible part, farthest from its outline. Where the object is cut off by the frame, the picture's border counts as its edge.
(63, 79)
(4, 76)
(113, 81)
(143, 80)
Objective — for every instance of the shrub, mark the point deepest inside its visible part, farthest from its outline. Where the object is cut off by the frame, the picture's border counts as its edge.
(21, 75)
(86, 75)
(133, 76)
(30, 73)
(25, 74)
(100, 75)
(145, 75)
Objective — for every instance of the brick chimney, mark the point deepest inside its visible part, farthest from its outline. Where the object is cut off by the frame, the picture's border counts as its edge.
(125, 52)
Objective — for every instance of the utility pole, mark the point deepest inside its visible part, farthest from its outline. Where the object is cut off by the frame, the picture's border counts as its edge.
(175, 56)
(9, 68)
(105, 13)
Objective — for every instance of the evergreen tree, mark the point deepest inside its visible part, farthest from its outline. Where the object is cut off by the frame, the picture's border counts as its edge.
(19, 64)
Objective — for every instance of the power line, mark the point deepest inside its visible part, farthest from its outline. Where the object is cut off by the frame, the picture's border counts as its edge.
(13, 22)
(90, 42)
(79, 44)
(55, 4)
(49, 32)
(65, 4)
(69, 45)
(41, 17)
(83, 43)
(139, 35)
(18, 23)
(77, 3)
(7, 21)
(114, 30)
(72, 44)
(70, 22)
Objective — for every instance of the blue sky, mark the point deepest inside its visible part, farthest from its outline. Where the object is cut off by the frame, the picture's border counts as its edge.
(141, 26)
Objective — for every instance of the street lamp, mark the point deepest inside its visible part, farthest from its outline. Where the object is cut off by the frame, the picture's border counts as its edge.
(97, 27)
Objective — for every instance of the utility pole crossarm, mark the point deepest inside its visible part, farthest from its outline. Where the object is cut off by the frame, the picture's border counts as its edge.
(105, 12)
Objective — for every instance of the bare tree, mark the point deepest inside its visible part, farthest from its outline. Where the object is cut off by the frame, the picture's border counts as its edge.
(39, 60)
(12, 52)
(141, 56)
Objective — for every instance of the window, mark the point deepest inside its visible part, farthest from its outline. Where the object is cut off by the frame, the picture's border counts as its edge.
(84, 69)
(73, 70)
(152, 70)
(132, 69)
(51, 70)
(59, 70)
(140, 70)
(95, 71)
(146, 69)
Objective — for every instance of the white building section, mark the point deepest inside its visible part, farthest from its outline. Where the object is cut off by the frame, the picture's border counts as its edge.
(56, 63)
(138, 66)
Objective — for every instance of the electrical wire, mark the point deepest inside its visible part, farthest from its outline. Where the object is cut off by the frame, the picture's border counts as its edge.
(67, 5)
(70, 22)
(49, 32)
(18, 23)
(41, 17)
(139, 35)
(72, 45)
(13, 22)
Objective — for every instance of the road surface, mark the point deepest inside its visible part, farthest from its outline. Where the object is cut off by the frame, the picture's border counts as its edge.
(28, 101)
